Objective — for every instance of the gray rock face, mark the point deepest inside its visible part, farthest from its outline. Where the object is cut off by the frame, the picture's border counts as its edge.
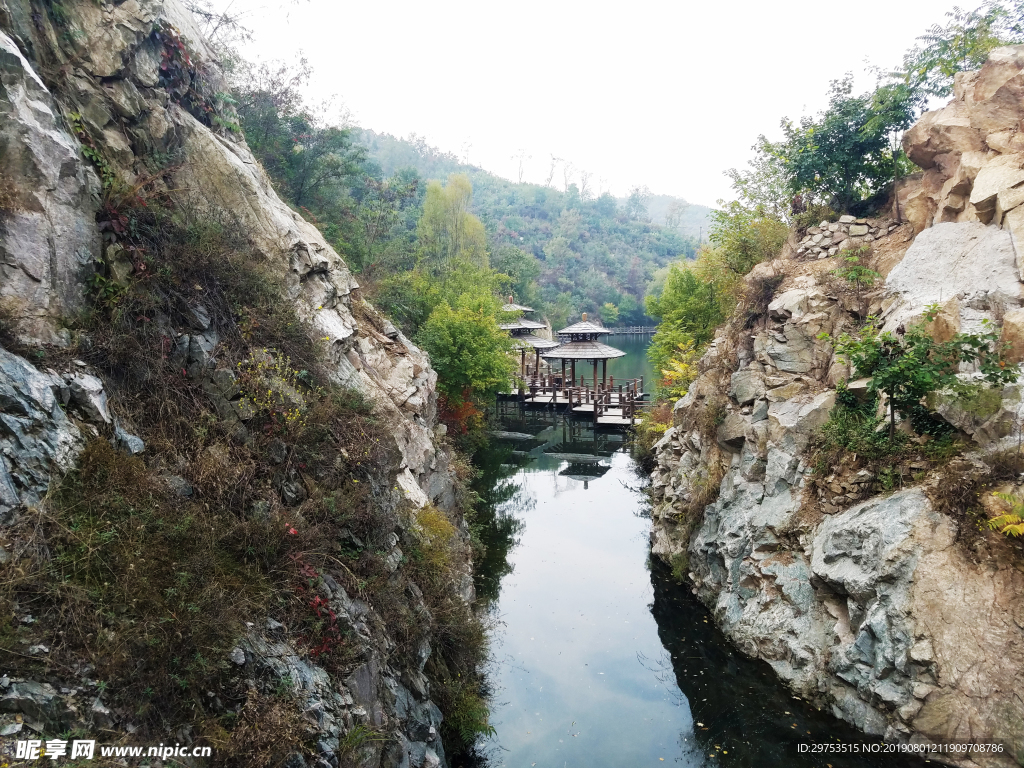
(746, 386)
(49, 238)
(104, 68)
(870, 610)
(371, 696)
(37, 440)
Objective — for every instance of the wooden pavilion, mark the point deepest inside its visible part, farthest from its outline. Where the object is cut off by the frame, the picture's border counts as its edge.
(583, 345)
(521, 331)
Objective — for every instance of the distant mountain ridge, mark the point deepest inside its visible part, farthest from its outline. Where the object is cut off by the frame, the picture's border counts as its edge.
(393, 154)
(570, 253)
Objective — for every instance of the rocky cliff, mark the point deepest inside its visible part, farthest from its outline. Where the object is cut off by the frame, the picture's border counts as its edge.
(105, 102)
(867, 586)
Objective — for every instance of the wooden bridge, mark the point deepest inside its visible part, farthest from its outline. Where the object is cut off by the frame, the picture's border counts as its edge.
(639, 330)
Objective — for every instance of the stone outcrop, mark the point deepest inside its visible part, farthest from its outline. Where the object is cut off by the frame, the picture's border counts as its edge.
(37, 441)
(968, 269)
(110, 80)
(865, 602)
(972, 152)
(829, 238)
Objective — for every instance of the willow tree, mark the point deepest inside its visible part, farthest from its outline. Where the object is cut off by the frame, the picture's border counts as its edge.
(447, 232)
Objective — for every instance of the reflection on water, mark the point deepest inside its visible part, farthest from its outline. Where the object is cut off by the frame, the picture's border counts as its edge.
(600, 659)
(738, 703)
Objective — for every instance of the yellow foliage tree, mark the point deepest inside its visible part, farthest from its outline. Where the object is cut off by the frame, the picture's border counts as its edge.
(448, 233)
(681, 370)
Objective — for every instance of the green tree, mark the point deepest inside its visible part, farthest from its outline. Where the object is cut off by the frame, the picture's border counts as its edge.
(964, 43)
(894, 108)
(471, 354)
(764, 184)
(906, 368)
(690, 308)
(630, 310)
(842, 157)
(523, 270)
(636, 203)
(381, 209)
(744, 237)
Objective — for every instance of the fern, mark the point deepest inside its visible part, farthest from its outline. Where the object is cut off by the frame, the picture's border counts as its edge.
(1012, 522)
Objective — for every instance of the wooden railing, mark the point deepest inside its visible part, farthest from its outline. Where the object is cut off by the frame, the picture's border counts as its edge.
(618, 404)
(634, 329)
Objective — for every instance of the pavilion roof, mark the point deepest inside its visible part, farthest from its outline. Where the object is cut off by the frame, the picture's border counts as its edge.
(522, 325)
(536, 342)
(584, 327)
(584, 350)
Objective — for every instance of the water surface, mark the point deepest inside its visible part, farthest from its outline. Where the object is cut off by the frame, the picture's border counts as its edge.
(602, 660)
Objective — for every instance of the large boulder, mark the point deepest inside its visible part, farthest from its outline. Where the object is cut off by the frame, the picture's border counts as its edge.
(940, 132)
(995, 180)
(998, 92)
(48, 234)
(975, 264)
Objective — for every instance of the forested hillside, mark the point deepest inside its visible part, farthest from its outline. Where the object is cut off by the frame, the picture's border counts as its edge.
(590, 252)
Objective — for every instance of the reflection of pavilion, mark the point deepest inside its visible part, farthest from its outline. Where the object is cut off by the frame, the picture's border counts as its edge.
(553, 436)
(584, 473)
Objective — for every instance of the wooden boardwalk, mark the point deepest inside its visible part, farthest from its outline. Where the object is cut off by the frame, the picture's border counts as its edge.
(608, 405)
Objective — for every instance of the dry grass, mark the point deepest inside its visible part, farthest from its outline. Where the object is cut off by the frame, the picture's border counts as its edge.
(711, 414)
(758, 292)
(266, 732)
(651, 428)
(958, 493)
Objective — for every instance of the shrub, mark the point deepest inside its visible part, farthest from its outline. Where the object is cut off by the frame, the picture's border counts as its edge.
(680, 563)
(813, 216)
(909, 365)
(758, 294)
(647, 431)
(855, 273)
(471, 354)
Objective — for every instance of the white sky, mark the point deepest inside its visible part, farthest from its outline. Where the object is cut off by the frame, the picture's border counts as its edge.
(667, 94)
